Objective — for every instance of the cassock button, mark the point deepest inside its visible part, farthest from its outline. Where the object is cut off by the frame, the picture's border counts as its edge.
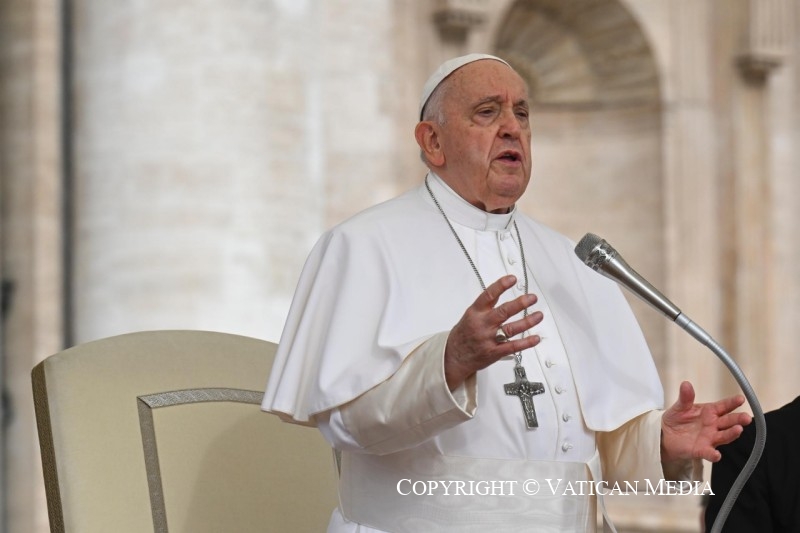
(559, 389)
(511, 260)
(520, 286)
(548, 363)
(566, 447)
(565, 417)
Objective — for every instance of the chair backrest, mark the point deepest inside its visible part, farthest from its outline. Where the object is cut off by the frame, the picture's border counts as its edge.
(162, 431)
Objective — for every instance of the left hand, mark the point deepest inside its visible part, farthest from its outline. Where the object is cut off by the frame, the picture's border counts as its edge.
(693, 431)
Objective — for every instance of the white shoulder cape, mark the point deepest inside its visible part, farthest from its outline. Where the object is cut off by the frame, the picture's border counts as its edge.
(380, 284)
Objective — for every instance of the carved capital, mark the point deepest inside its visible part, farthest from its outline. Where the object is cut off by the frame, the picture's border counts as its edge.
(455, 18)
(756, 68)
(767, 37)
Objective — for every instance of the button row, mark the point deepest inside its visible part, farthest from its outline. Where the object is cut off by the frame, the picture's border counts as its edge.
(566, 417)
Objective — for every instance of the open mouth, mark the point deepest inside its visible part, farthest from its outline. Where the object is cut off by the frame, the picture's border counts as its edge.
(509, 156)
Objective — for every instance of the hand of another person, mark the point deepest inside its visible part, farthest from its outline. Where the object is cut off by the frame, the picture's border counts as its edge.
(472, 344)
(693, 431)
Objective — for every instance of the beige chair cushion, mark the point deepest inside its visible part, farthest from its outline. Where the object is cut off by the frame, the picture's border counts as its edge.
(162, 431)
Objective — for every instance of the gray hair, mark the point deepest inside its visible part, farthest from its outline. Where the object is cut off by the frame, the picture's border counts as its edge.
(434, 110)
(434, 107)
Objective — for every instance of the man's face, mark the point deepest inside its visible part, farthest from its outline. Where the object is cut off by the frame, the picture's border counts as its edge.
(486, 136)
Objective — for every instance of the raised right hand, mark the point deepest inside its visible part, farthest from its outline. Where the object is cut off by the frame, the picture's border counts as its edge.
(472, 345)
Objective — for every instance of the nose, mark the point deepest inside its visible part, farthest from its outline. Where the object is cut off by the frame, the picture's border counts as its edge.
(510, 124)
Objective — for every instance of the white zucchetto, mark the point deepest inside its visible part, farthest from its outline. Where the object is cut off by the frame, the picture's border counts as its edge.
(444, 70)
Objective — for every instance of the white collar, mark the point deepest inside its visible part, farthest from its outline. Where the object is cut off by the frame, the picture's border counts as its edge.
(459, 210)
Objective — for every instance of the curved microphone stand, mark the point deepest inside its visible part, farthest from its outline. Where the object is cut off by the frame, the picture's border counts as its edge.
(758, 417)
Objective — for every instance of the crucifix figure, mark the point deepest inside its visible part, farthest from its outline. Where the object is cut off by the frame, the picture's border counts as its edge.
(525, 390)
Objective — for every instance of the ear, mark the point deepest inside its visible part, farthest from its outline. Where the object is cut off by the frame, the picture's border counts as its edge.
(428, 138)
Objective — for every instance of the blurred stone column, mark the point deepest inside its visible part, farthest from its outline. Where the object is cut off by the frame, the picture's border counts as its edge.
(765, 39)
(691, 197)
(784, 160)
(30, 243)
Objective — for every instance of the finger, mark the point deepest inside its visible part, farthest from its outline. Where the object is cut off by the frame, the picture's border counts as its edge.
(711, 455)
(513, 329)
(734, 419)
(726, 405)
(685, 396)
(520, 345)
(488, 298)
(505, 311)
(727, 435)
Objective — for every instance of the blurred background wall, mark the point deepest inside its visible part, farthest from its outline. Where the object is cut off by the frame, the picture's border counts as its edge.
(169, 164)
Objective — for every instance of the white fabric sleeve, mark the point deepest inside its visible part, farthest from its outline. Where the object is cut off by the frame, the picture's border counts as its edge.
(413, 405)
(632, 452)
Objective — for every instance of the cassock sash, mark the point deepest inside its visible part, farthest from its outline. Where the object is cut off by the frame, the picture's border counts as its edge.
(415, 491)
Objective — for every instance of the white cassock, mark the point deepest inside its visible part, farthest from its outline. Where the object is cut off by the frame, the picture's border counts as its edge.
(361, 357)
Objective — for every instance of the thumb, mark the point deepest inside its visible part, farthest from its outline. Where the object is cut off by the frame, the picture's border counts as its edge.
(685, 396)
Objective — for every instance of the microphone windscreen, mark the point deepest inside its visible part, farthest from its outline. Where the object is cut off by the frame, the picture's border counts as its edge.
(586, 245)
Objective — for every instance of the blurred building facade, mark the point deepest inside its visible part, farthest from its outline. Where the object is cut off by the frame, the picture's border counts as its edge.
(169, 164)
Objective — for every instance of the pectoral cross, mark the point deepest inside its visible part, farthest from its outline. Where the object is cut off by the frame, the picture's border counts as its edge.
(525, 390)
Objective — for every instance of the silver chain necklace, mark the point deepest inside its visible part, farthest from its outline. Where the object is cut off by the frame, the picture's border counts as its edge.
(520, 387)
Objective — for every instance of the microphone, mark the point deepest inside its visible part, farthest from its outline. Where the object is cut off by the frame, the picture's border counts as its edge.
(600, 256)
